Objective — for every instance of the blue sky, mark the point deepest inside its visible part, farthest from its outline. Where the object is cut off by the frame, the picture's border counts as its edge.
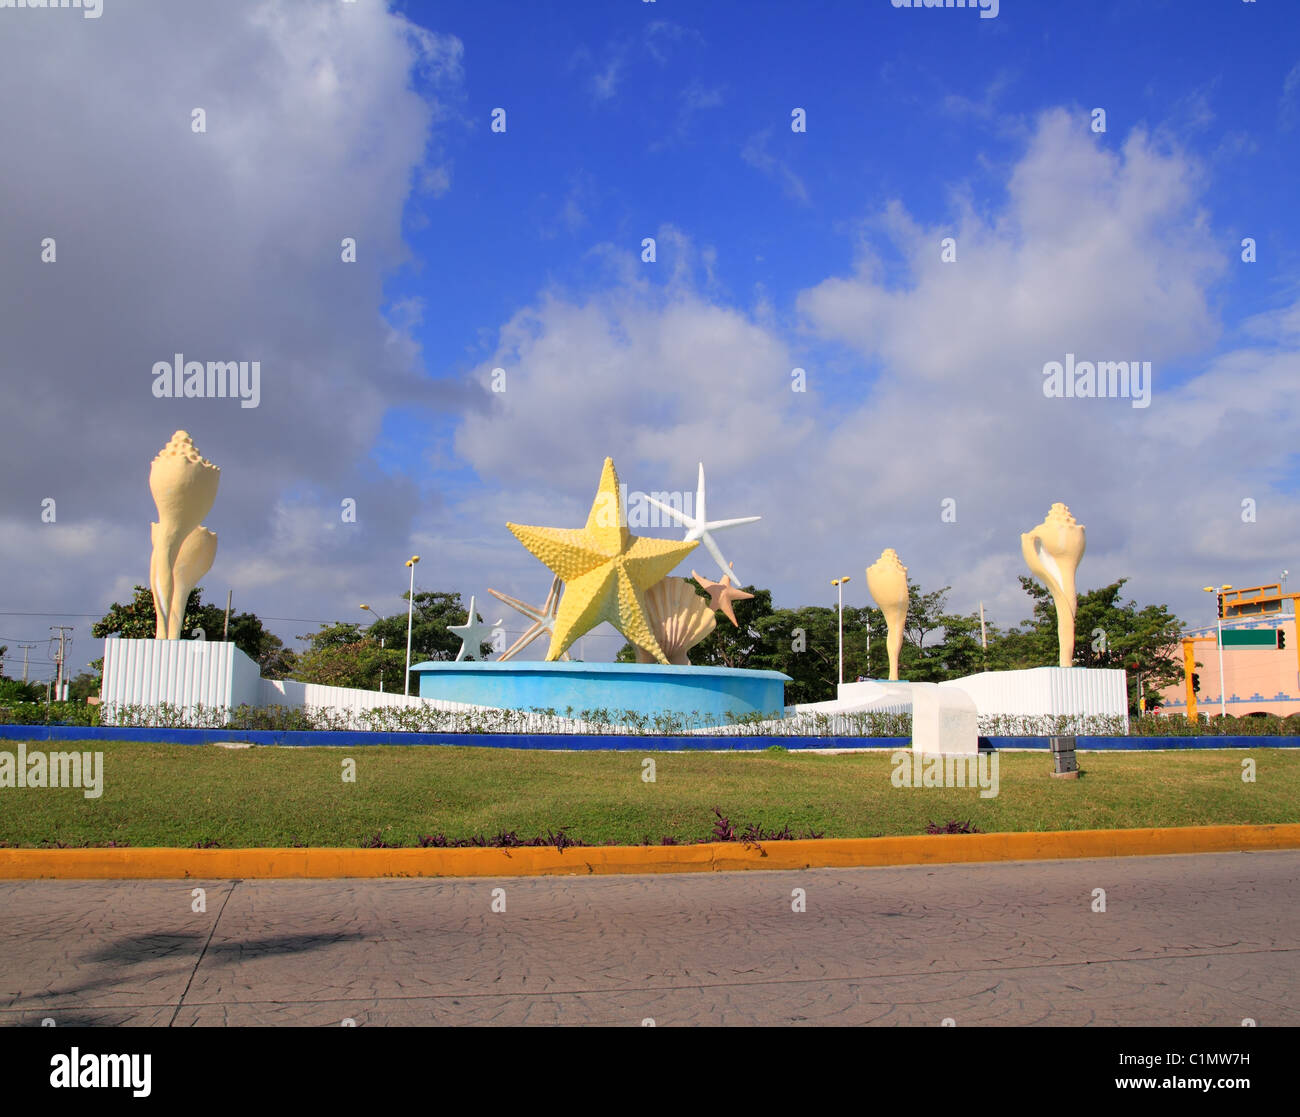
(775, 250)
(640, 114)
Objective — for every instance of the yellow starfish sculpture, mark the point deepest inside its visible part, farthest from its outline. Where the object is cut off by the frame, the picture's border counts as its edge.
(605, 569)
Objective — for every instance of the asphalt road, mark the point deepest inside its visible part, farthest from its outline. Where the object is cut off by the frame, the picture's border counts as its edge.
(1208, 939)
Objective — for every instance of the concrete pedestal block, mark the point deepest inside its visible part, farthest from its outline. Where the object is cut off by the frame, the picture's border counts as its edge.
(944, 720)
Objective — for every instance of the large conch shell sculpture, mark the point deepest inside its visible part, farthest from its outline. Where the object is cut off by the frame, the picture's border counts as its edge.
(1052, 551)
(680, 618)
(184, 487)
(887, 581)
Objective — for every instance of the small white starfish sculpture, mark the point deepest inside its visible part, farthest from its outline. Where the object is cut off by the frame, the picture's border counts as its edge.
(472, 634)
(700, 527)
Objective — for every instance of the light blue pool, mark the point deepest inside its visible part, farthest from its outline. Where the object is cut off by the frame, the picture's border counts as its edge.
(707, 695)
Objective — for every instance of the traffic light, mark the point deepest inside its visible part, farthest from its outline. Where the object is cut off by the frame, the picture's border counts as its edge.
(1196, 683)
(1220, 597)
(1281, 639)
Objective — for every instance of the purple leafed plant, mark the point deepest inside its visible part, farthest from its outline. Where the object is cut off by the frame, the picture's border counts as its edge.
(722, 831)
(952, 826)
(503, 839)
(377, 842)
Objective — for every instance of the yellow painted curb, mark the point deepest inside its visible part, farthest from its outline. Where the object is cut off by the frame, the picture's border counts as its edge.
(247, 864)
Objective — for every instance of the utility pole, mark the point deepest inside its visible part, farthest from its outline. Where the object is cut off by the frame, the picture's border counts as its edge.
(26, 648)
(61, 629)
(225, 629)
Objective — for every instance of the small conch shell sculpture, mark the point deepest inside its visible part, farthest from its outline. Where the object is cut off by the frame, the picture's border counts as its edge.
(680, 618)
(184, 487)
(1052, 551)
(887, 581)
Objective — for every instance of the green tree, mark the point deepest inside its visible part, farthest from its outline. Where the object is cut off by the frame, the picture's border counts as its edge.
(1108, 634)
(803, 643)
(11, 690)
(339, 654)
(937, 645)
(434, 612)
(85, 685)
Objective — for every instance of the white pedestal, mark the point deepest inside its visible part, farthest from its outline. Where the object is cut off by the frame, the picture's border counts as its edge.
(944, 721)
(1045, 692)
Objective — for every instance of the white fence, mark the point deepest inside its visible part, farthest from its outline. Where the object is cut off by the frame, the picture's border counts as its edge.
(180, 672)
(216, 675)
(187, 674)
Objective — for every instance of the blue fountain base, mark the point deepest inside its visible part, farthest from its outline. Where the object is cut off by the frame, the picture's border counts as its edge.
(703, 696)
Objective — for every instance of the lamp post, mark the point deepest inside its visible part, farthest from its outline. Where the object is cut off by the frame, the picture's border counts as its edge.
(381, 650)
(839, 584)
(410, 613)
(1223, 696)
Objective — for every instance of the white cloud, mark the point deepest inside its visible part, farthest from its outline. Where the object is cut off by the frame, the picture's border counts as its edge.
(1106, 255)
(755, 152)
(220, 245)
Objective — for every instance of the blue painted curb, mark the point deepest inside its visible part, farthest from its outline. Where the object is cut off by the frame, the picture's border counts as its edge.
(1146, 744)
(591, 742)
(535, 741)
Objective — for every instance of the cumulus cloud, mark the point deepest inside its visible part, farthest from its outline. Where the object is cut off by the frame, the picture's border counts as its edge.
(220, 245)
(926, 383)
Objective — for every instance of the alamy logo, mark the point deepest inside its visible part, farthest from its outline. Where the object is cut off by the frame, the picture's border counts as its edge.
(182, 379)
(988, 8)
(638, 509)
(120, 1071)
(933, 769)
(90, 9)
(1103, 380)
(55, 769)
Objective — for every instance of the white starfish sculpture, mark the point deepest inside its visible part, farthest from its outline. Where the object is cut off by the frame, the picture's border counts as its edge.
(472, 634)
(542, 616)
(699, 527)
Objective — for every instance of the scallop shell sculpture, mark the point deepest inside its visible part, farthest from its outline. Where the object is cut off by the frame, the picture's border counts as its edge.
(680, 617)
(1052, 552)
(887, 581)
(184, 486)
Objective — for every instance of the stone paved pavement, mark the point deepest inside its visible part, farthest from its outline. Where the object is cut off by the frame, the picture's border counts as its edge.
(1208, 939)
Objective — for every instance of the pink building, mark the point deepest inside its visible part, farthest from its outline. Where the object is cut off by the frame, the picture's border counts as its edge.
(1261, 668)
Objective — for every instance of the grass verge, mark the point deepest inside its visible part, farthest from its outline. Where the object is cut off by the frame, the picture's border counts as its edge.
(177, 795)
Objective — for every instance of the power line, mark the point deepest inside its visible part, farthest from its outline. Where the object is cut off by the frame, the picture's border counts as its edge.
(16, 614)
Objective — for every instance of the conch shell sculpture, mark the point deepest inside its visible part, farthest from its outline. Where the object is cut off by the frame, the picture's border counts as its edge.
(184, 487)
(680, 618)
(887, 581)
(1052, 551)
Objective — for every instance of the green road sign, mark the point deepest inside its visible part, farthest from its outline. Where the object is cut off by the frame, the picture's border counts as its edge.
(1250, 638)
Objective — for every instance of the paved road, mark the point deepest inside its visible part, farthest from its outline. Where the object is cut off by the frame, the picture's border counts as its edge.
(1193, 940)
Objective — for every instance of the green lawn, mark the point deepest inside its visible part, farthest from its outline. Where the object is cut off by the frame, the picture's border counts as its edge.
(176, 795)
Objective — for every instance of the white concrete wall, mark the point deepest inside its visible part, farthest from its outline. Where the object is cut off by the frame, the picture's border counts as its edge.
(181, 672)
(1048, 692)
(290, 692)
(245, 679)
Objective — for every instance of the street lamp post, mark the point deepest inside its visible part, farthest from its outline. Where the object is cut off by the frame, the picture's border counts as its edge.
(381, 651)
(410, 614)
(839, 584)
(1223, 690)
